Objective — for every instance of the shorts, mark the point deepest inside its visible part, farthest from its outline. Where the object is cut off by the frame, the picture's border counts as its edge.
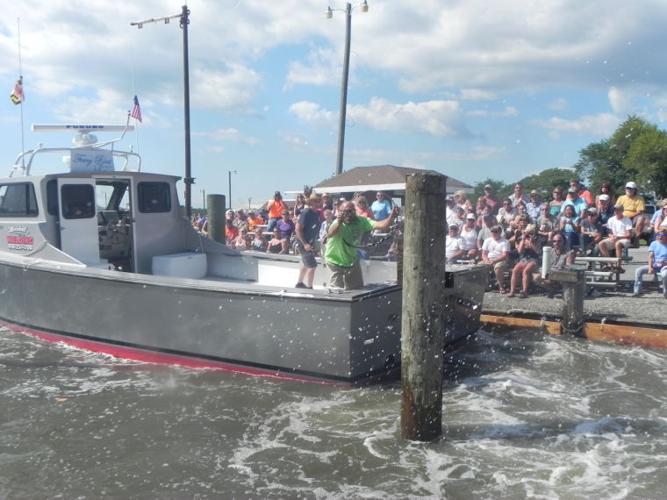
(500, 265)
(610, 245)
(349, 278)
(308, 258)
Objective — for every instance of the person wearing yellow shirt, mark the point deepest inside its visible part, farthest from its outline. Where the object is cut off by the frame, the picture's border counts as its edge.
(633, 207)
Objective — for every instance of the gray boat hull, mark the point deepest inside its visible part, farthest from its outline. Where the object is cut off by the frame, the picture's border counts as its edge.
(345, 337)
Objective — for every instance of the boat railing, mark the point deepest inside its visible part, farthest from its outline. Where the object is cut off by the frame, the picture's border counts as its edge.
(85, 140)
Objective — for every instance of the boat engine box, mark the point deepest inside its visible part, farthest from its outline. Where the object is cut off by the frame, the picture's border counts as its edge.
(180, 265)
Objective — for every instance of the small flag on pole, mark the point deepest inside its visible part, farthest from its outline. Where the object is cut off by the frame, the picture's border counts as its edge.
(17, 96)
(136, 110)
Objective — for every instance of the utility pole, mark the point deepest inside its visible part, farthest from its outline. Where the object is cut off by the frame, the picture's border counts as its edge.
(184, 18)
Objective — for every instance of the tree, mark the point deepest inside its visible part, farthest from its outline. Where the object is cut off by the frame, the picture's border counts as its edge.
(499, 187)
(548, 179)
(635, 151)
(648, 158)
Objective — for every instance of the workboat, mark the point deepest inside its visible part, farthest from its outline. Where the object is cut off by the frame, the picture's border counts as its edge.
(102, 256)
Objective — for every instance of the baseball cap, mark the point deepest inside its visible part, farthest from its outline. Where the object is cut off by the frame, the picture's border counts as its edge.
(488, 186)
(604, 197)
(534, 191)
(277, 193)
(229, 212)
(631, 185)
(471, 217)
(592, 210)
(618, 207)
(454, 226)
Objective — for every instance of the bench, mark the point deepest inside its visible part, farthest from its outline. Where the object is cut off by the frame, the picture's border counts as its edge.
(598, 277)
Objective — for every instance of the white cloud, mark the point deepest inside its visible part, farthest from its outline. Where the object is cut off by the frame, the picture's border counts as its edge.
(620, 102)
(477, 95)
(439, 117)
(311, 112)
(599, 125)
(322, 68)
(508, 111)
(294, 140)
(233, 89)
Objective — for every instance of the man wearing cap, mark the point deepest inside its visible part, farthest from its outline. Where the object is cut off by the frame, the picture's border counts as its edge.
(307, 233)
(343, 240)
(495, 252)
(633, 207)
(605, 209)
(657, 263)
(275, 208)
(453, 244)
(534, 205)
(591, 229)
(620, 231)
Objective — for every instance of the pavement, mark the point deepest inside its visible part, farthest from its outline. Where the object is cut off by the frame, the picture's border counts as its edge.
(617, 305)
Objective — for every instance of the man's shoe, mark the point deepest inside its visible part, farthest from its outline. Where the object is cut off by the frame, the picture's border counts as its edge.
(300, 285)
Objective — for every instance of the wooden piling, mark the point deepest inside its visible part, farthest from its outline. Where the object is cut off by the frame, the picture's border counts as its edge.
(574, 290)
(423, 327)
(216, 217)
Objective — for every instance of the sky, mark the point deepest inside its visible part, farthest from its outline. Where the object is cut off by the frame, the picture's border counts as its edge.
(469, 88)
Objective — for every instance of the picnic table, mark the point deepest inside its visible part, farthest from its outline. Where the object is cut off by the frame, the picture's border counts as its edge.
(603, 272)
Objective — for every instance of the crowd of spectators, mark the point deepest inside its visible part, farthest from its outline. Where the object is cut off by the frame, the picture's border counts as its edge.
(509, 233)
(273, 227)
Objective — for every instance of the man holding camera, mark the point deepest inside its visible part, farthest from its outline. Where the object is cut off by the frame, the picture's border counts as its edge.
(343, 240)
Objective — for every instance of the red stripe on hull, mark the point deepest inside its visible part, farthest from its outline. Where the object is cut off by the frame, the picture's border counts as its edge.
(145, 356)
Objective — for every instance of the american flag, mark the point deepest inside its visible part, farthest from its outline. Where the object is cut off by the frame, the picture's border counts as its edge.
(136, 110)
(17, 96)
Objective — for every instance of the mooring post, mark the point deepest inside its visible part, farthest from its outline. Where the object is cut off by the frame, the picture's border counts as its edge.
(215, 214)
(422, 327)
(574, 290)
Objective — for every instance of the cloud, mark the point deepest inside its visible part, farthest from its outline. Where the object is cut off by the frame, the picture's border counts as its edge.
(232, 89)
(322, 68)
(439, 118)
(477, 95)
(508, 111)
(620, 102)
(599, 125)
(311, 112)
(295, 141)
(227, 134)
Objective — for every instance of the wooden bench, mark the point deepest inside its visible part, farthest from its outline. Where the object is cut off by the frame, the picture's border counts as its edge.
(598, 277)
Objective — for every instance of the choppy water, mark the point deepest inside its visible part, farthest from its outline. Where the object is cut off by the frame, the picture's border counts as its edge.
(526, 416)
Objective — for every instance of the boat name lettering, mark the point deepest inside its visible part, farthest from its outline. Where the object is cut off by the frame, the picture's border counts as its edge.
(19, 242)
(18, 229)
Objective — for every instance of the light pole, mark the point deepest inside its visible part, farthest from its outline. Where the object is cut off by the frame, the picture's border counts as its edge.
(230, 172)
(184, 18)
(343, 85)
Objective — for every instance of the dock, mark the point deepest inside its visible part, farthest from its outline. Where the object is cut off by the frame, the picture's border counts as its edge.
(612, 315)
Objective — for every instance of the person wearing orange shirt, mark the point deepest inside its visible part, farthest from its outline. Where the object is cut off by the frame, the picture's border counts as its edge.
(275, 207)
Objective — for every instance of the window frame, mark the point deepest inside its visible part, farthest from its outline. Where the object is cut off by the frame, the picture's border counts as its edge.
(30, 199)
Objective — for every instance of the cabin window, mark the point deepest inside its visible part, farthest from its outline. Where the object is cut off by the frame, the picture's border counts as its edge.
(154, 197)
(52, 197)
(78, 201)
(18, 200)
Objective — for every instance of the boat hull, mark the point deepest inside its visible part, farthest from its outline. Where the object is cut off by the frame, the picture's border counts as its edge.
(347, 337)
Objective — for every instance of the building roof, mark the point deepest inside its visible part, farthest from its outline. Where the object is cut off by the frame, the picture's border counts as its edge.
(380, 178)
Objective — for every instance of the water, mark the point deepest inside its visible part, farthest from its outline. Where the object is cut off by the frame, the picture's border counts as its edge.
(526, 415)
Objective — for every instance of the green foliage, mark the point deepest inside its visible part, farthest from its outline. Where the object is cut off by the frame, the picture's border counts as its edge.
(548, 179)
(637, 151)
(498, 188)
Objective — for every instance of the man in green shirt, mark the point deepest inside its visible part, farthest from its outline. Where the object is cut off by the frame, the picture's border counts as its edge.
(343, 240)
